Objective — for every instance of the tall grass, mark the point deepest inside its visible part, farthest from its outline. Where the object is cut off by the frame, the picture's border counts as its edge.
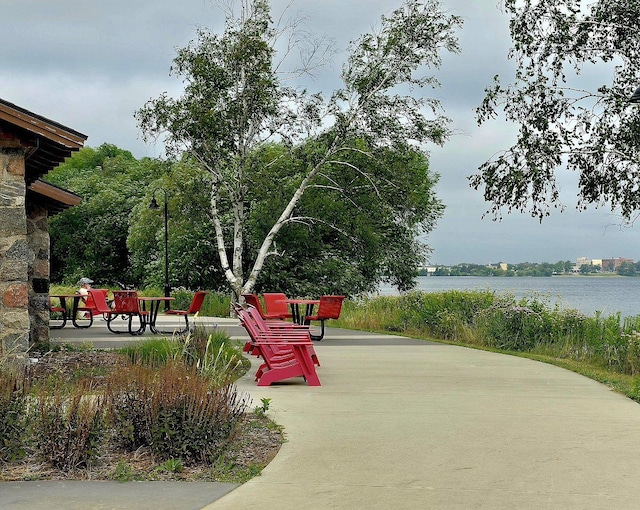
(214, 354)
(173, 398)
(499, 321)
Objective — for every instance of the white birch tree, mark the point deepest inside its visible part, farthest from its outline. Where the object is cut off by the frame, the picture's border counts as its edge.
(236, 99)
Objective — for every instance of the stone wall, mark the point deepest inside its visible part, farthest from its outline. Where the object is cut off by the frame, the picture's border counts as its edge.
(38, 272)
(15, 254)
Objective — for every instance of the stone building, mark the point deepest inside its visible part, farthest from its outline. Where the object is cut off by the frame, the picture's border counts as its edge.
(30, 147)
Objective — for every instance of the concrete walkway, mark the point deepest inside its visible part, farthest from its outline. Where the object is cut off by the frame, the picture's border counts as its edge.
(404, 424)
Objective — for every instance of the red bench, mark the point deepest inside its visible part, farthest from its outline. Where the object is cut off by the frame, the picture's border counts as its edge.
(276, 305)
(125, 305)
(253, 300)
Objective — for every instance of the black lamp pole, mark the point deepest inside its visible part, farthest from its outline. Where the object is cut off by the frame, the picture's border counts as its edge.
(154, 205)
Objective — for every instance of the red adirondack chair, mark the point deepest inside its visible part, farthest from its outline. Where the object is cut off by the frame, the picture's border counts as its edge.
(284, 357)
(328, 308)
(194, 308)
(284, 331)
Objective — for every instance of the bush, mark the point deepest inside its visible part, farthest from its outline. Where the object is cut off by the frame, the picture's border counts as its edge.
(174, 411)
(68, 429)
(13, 415)
(498, 320)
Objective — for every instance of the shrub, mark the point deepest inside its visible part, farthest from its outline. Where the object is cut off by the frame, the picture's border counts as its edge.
(13, 415)
(511, 327)
(216, 356)
(68, 429)
(173, 410)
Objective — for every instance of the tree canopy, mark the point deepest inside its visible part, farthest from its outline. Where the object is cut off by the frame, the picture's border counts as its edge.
(235, 104)
(563, 122)
(91, 238)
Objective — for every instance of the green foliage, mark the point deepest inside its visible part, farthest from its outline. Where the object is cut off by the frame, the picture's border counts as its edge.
(262, 409)
(171, 466)
(361, 149)
(123, 472)
(173, 399)
(499, 321)
(90, 239)
(214, 354)
(594, 132)
(360, 229)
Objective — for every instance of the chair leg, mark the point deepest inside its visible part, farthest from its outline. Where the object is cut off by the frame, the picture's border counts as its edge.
(319, 337)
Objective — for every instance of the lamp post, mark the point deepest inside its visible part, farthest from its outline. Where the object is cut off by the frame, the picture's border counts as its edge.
(154, 205)
(635, 98)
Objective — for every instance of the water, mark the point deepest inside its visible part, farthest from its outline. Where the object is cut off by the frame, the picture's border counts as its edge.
(608, 295)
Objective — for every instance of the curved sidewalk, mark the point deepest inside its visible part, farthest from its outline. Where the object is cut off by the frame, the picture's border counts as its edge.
(406, 424)
(411, 425)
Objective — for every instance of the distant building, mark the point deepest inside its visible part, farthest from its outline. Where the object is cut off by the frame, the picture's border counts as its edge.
(612, 265)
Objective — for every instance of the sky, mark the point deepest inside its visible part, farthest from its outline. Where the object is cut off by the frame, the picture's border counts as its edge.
(90, 65)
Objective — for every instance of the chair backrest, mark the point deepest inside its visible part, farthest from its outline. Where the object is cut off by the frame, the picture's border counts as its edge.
(98, 300)
(276, 304)
(252, 299)
(196, 302)
(330, 307)
(125, 301)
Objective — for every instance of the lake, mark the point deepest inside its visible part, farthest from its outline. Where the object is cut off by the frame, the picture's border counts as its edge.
(588, 294)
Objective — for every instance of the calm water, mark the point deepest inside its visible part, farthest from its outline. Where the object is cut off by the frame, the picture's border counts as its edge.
(587, 294)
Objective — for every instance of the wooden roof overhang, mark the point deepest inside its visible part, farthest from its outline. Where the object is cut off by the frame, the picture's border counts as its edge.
(54, 198)
(47, 143)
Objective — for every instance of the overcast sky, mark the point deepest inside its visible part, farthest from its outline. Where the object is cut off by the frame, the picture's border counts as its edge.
(90, 64)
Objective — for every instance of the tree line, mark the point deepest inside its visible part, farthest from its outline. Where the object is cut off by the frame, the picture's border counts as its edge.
(531, 269)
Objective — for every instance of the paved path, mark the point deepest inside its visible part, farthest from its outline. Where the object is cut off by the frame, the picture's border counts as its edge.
(425, 426)
(404, 424)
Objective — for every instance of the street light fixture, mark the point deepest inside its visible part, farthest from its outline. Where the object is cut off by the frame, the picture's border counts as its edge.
(154, 205)
(635, 98)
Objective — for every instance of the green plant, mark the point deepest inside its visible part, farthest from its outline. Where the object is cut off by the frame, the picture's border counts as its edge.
(154, 351)
(122, 472)
(261, 410)
(171, 466)
(215, 355)
(173, 410)
(13, 415)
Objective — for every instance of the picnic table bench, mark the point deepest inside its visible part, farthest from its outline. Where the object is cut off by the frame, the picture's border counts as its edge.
(125, 304)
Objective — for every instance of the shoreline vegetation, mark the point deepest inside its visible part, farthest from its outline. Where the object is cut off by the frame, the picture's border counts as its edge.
(543, 269)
